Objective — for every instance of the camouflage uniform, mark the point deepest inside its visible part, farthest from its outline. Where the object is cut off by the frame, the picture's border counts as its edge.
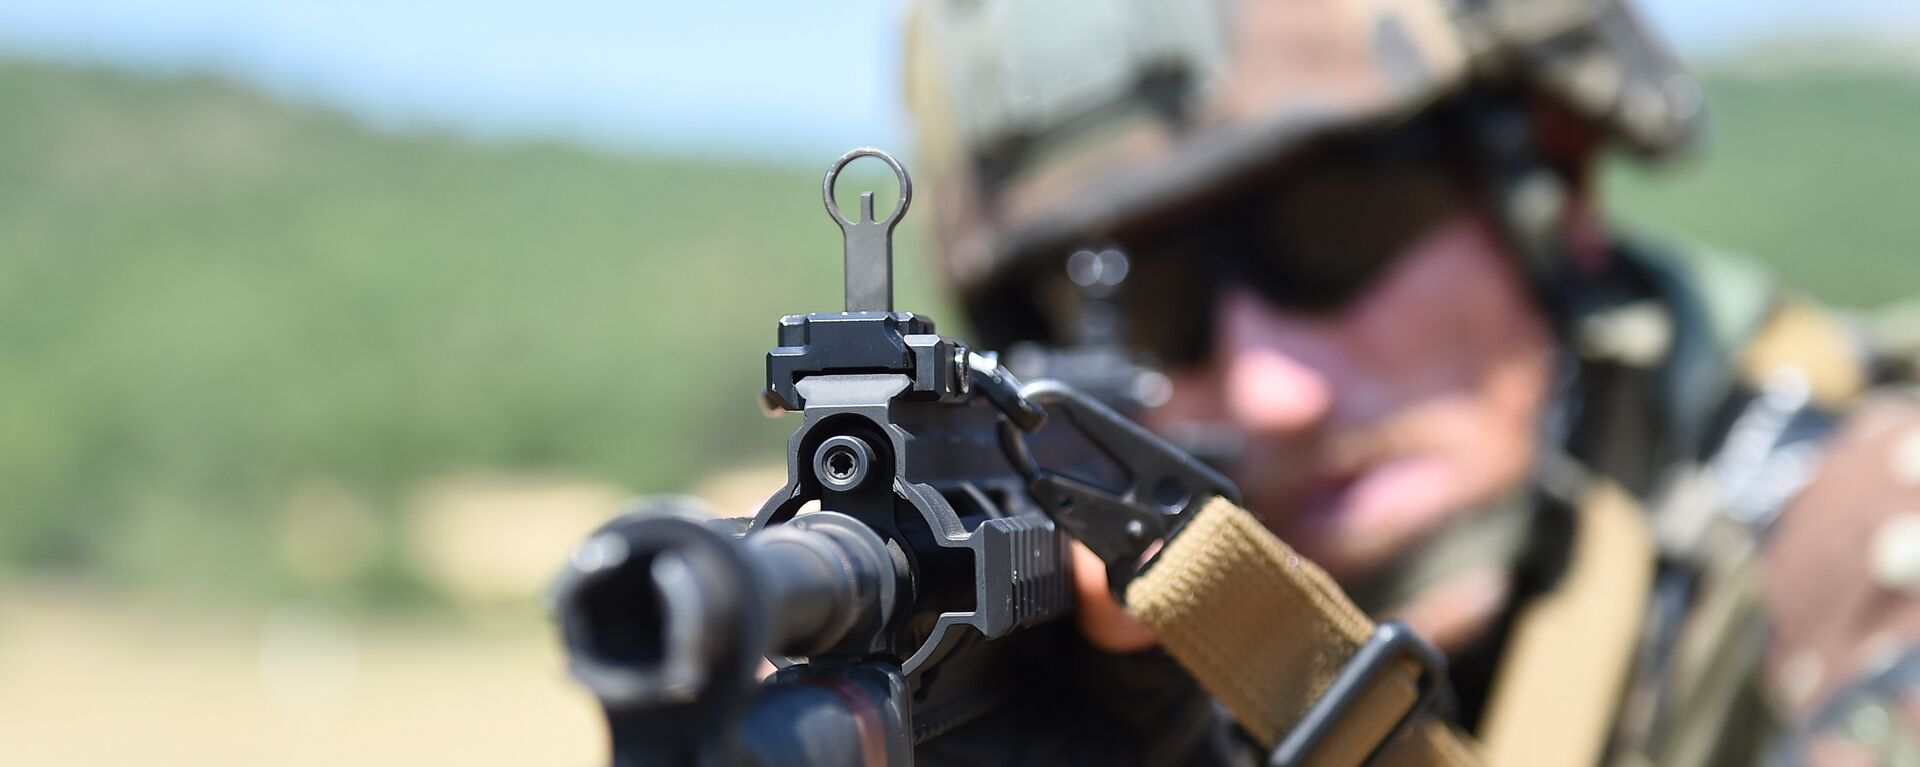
(1772, 463)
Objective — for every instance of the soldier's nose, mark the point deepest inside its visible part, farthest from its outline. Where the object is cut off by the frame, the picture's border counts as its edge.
(1268, 391)
(1267, 386)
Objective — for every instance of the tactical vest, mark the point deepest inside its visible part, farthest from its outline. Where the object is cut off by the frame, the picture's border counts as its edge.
(1705, 395)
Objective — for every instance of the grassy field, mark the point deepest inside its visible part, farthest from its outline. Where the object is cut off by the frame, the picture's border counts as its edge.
(1815, 172)
(215, 309)
(213, 306)
(93, 681)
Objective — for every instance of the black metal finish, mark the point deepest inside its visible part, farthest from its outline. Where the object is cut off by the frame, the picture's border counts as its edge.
(841, 463)
(666, 615)
(869, 243)
(896, 612)
(1161, 483)
(1391, 641)
(999, 386)
(850, 716)
(671, 697)
(927, 552)
(825, 343)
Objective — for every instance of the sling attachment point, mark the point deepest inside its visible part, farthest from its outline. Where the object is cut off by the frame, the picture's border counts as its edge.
(1390, 641)
(1229, 590)
(1123, 526)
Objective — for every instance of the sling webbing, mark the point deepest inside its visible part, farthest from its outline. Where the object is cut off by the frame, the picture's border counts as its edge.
(1265, 631)
(1571, 651)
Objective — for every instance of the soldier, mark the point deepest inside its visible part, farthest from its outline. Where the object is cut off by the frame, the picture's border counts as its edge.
(1654, 508)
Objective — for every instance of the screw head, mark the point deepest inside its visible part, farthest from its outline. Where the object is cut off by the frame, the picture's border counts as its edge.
(963, 377)
(842, 463)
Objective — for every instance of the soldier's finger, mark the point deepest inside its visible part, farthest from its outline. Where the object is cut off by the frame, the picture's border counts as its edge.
(1106, 624)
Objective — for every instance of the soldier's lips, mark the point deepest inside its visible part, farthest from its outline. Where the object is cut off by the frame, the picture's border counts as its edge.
(1352, 522)
(1398, 492)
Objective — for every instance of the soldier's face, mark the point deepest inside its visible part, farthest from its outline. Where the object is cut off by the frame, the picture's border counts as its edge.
(1367, 429)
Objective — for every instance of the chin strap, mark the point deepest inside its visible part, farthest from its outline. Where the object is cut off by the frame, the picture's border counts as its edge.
(1303, 670)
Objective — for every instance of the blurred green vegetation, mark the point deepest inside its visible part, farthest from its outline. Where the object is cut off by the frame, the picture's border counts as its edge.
(210, 301)
(1813, 170)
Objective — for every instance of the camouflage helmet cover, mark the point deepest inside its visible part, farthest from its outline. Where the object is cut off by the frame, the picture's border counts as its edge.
(1043, 124)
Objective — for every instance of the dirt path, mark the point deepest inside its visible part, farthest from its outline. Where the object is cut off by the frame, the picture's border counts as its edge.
(86, 680)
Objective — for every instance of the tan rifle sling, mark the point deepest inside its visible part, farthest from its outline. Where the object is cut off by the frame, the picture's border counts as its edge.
(1568, 660)
(1266, 631)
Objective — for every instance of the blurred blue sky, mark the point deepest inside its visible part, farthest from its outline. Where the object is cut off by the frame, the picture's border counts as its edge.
(718, 77)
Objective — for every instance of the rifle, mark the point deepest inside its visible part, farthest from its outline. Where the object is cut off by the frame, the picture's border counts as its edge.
(926, 584)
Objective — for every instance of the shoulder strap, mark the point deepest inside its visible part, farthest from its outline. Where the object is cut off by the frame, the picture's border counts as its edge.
(1571, 652)
(1269, 635)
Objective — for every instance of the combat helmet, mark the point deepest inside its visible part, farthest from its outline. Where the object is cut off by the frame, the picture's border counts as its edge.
(1047, 125)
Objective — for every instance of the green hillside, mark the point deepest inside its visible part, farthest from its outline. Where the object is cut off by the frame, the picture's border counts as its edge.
(1816, 172)
(209, 300)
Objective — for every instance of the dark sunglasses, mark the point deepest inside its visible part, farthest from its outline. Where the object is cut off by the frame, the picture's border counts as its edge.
(1312, 239)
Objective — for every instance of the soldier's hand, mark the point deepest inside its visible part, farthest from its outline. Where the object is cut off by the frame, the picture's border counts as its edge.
(1106, 624)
